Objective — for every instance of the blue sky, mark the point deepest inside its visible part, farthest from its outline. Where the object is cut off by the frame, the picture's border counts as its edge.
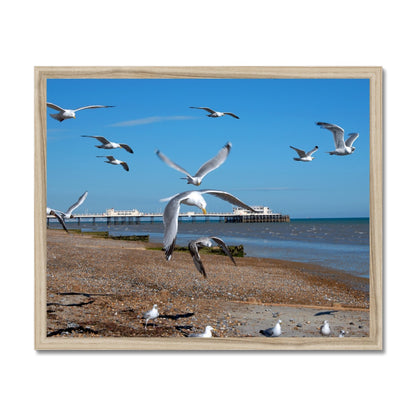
(260, 170)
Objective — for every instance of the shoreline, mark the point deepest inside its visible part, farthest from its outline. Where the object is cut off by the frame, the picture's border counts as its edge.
(104, 297)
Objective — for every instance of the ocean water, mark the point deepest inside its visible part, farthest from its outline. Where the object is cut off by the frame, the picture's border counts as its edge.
(341, 244)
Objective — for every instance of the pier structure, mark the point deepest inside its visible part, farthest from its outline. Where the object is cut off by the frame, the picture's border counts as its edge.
(134, 216)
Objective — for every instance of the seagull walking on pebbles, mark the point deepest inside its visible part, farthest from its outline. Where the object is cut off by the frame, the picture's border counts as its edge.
(213, 113)
(106, 144)
(65, 114)
(325, 329)
(276, 331)
(206, 334)
(341, 148)
(304, 157)
(207, 167)
(194, 245)
(195, 198)
(113, 161)
(341, 334)
(152, 314)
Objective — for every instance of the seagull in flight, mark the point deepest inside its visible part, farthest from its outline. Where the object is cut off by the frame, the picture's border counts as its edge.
(207, 167)
(213, 113)
(205, 334)
(50, 211)
(68, 214)
(65, 113)
(341, 148)
(114, 161)
(106, 144)
(276, 331)
(195, 198)
(304, 157)
(194, 245)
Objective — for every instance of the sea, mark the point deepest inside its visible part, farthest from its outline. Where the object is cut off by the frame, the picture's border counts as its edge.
(338, 243)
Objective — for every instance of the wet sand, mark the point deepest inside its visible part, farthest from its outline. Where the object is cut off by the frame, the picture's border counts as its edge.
(98, 287)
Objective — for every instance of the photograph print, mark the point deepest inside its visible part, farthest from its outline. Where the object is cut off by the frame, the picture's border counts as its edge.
(218, 206)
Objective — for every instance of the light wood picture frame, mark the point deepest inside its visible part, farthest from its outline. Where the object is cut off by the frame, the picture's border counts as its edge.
(374, 340)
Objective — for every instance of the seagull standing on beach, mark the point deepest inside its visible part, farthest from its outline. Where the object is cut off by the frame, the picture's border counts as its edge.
(207, 167)
(152, 314)
(58, 217)
(206, 242)
(276, 331)
(65, 114)
(341, 334)
(106, 144)
(341, 148)
(171, 212)
(213, 113)
(114, 161)
(304, 157)
(325, 329)
(205, 334)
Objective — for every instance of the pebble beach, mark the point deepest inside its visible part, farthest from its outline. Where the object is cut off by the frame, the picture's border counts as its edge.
(100, 287)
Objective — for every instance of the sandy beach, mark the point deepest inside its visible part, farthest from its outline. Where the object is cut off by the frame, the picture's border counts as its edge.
(98, 287)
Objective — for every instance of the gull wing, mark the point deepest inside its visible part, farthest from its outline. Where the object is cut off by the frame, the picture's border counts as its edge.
(81, 199)
(102, 139)
(352, 137)
(232, 115)
(126, 147)
(227, 197)
(311, 152)
(55, 107)
(205, 108)
(337, 132)
(300, 152)
(267, 332)
(173, 165)
(92, 106)
(170, 222)
(61, 220)
(125, 166)
(224, 248)
(193, 248)
(215, 162)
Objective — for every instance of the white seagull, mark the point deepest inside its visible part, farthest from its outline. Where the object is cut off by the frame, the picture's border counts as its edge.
(276, 331)
(152, 314)
(114, 161)
(207, 167)
(206, 242)
(341, 148)
(341, 334)
(68, 214)
(325, 329)
(304, 157)
(106, 144)
(171, 212)
(205, 334)
(213, 113)
(65, 113)
(58, 217)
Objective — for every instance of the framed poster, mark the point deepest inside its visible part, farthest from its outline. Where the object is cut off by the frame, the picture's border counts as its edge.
(208, 208)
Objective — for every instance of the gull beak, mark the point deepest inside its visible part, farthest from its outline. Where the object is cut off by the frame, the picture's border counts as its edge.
(204, 211)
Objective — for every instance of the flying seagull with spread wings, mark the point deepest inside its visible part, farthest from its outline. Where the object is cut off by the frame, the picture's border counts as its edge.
(65, 113)
(304, 157)
(194, 245)
(341, 148)
(106, 144)
(114, 161)
(213, 113)
(50, 211)
(207, 167)
(195, 198)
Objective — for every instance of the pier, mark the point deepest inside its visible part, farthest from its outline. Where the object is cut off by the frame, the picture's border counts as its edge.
(134, 216)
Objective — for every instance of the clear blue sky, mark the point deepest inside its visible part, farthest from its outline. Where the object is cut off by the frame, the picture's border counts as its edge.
(260, 170)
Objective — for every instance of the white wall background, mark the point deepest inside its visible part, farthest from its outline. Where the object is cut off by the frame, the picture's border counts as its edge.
(305, 33)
